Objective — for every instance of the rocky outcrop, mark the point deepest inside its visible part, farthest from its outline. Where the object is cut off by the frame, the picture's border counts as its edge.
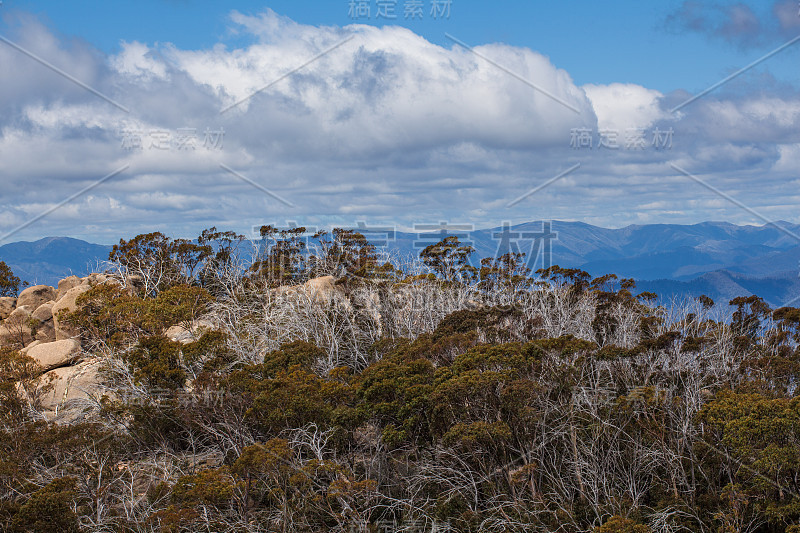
(67, 382)
(7, 305)
(17, 328)
(35, 296)
(97, 278)
(52, 355)
(67, 303)
(33, 315)
(204, 461)
(320, 290)
(44, 313)
(21, 314)
(26, 349)
(67, 393)
(70, 380)
(181, 334)
(45, 328)
(69, 283)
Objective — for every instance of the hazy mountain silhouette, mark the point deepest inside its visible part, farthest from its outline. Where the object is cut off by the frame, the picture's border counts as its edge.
(48, 260)
(719, 259)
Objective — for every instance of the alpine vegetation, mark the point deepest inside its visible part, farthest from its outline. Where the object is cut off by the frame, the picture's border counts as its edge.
(317, 385)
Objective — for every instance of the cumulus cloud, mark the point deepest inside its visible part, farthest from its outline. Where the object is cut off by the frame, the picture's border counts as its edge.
(137, 60)
(387, 89)
(388, 127)
(30, 80)
(621, 106)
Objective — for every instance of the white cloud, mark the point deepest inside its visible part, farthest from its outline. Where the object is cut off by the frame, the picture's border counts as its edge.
(789, 160)
(137, 60)
(387, 88)
(621, 106)
(389, 126)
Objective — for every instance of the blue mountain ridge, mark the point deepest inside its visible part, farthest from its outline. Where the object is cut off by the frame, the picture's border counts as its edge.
(719, 259)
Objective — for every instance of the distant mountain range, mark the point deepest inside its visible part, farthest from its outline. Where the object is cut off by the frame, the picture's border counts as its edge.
(723, 285)
(717, 259)
(51, 259)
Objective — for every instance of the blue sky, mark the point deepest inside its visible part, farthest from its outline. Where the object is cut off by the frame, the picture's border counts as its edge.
(397, 124)
(597, 42)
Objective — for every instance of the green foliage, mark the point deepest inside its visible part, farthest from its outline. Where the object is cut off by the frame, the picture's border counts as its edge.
(507, 271)
(575, 278)
(755, 439)
(156, 363)
(298, 397)
(218, 255)
(750, 311)
(705, 301)
(9, 283)
(212, 488)
(478, 435)
(267, 472)
(285, 393)
(483, 422)
(270, 460)
(209, 354)
(348, 254)
(283, 257)
(788, 319)
(16, 375)
(116, 316)
(449, 259)
(158, 262)
(300, 354)
(395, 392)
(489, 324)
(109, 313)
(48, 510)
(180, 304)
(151, 252)
(620, 524)
(209, 487)
(611, 294)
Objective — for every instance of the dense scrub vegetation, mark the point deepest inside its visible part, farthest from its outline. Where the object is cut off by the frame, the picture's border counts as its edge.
(404, 396)
(9, 283)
